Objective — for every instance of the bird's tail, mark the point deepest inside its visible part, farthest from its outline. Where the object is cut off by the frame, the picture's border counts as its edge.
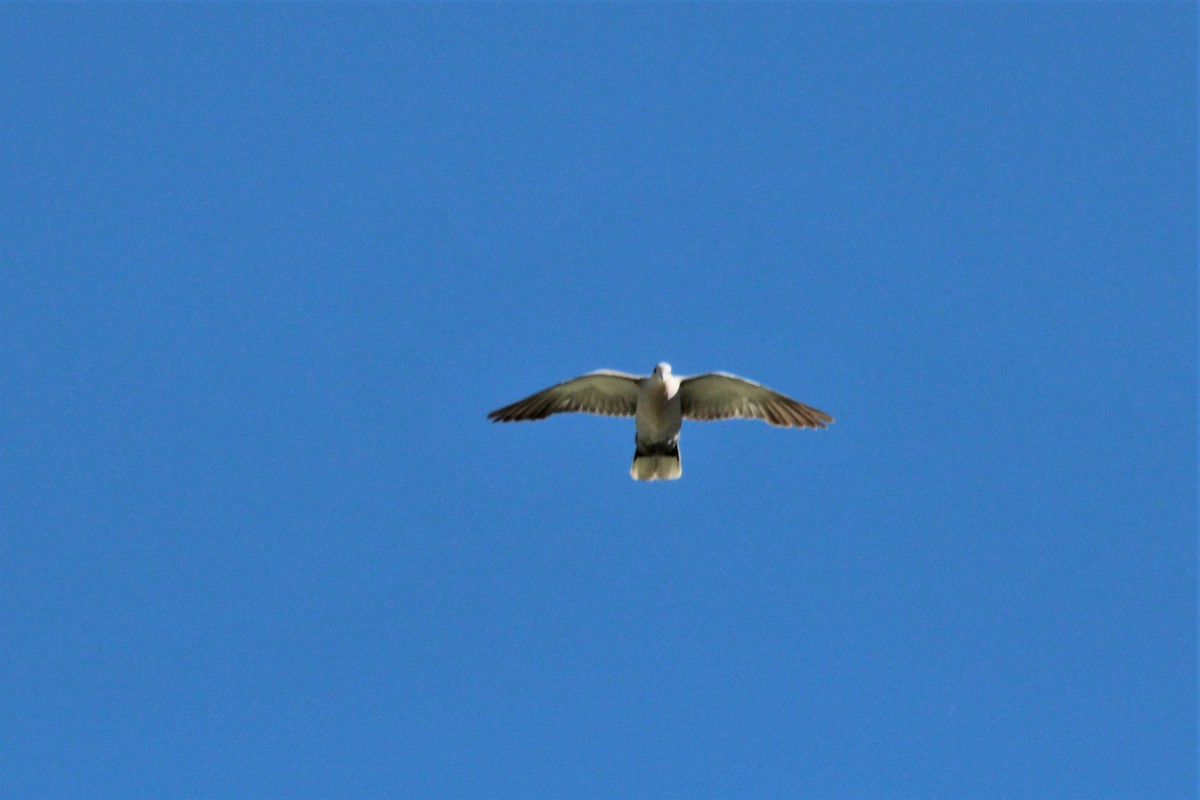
(656, 462)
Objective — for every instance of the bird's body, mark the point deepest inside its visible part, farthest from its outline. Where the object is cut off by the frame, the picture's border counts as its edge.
(659, 403)
(657, 419)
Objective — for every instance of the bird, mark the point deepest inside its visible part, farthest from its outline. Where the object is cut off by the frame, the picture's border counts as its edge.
(659, 402)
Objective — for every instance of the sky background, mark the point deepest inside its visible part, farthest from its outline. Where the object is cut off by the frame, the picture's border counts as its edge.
(267, 267)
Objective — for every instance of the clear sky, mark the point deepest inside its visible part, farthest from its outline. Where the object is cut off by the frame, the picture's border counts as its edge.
(266, 267)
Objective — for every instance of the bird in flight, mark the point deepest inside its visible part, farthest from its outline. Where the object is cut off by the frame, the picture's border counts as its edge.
(659, 403)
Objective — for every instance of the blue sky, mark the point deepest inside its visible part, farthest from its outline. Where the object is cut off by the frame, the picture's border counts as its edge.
(267, 267)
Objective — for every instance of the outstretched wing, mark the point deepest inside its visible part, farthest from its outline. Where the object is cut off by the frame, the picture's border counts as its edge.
(719, 395)
(613, 394)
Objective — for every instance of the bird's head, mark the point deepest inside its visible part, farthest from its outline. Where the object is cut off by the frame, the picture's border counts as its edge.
(662, 370)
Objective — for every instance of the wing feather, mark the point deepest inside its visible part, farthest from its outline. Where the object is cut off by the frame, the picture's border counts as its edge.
(606, 392)
(719, 395)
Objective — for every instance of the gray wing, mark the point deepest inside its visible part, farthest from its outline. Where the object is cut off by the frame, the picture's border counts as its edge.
(719, 395)
(613, 394)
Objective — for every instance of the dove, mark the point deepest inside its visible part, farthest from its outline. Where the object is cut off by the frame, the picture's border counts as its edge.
(659, 403)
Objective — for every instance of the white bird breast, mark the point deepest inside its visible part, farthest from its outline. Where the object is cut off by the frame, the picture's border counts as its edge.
(659, 413)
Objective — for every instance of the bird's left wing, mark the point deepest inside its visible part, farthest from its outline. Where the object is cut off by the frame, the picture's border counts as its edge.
(719, 395)
(605, 392)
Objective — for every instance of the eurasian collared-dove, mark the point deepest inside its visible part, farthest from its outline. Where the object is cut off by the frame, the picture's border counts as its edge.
(659, 403)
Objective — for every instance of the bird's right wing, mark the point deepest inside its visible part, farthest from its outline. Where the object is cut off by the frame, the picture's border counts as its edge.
(613, 394)
(719, 395)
